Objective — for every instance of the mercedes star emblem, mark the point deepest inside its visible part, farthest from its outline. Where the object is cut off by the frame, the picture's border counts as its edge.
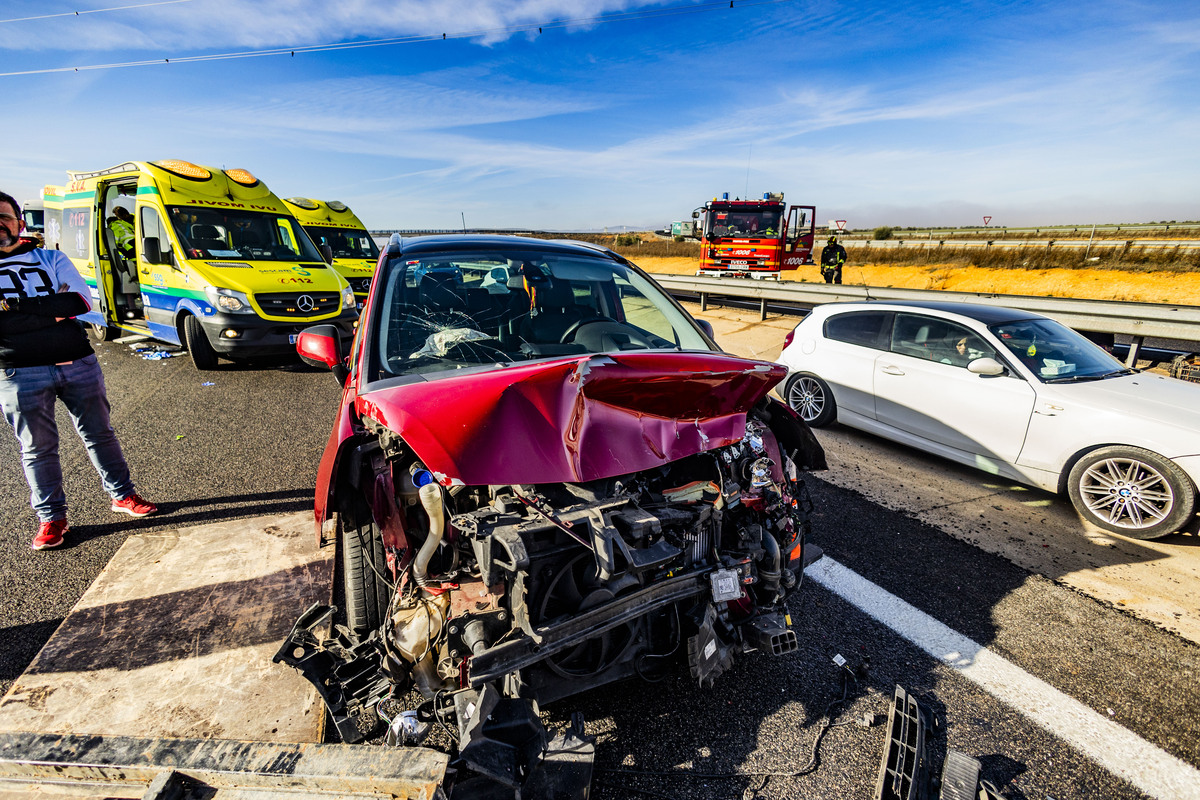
(305, 303)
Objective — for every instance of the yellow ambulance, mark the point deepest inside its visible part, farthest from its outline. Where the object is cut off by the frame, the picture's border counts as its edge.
(206, 258)
(351, 250)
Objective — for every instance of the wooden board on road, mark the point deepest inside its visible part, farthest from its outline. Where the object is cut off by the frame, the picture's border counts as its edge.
(175, 638)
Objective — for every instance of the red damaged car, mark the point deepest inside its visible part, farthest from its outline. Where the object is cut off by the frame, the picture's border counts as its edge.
(545, 477)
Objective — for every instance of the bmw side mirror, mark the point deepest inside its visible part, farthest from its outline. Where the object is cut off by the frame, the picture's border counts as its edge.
(321, 346)
(986, 366)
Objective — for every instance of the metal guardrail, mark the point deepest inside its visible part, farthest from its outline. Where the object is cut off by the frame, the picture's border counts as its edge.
(1040, 244)
(1101, 316)
(1050, 230)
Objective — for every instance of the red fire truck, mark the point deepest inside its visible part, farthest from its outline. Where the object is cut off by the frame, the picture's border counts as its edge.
(749, 238)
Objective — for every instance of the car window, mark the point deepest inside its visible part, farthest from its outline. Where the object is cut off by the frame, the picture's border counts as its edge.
(450, 311)
(938, 340)
(862, 328)
(1054, 352)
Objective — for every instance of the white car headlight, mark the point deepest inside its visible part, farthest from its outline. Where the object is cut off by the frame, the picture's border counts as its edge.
(348, 300)
(228, 300)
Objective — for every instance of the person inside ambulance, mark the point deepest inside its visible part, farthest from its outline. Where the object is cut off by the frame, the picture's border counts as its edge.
(121, 225)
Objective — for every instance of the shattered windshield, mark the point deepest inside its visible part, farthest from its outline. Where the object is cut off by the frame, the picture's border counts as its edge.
(449, 311)
(743, 223)
(234, 233)
(345, 242)
(1055, 353)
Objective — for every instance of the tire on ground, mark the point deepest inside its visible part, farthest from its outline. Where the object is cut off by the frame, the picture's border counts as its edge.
(364, 567)
(102, 333)
(202, 353)
(811, 398)
(1131, 491)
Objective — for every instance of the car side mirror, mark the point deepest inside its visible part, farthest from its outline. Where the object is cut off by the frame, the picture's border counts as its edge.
(707, 327)
(321, 346)
(986, 366)
(327, 253)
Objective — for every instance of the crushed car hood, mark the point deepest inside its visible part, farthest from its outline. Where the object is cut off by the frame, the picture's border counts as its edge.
(574, 420)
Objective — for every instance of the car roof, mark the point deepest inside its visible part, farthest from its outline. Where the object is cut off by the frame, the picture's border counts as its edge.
(987, 314)
(466, 242)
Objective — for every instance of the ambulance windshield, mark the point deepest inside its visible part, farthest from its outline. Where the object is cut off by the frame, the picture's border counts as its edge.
(345, 242)
(235, 233)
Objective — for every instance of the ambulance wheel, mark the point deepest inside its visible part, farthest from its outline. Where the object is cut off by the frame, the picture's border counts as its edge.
(203, 354)
(101, 333)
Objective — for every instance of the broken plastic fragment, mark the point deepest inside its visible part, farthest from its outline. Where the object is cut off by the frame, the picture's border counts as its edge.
(438, 344)
(692, 492)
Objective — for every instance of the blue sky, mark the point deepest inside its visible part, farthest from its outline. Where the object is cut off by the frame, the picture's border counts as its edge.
(626, 113)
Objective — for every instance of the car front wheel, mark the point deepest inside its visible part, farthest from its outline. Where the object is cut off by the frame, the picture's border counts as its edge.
(364, 567)
(812, 400)
(1131, 491)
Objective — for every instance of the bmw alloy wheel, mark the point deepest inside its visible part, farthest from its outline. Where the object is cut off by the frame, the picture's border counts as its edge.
(811, 398)
(1132, 491)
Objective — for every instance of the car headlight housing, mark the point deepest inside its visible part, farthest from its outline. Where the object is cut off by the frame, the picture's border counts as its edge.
(228, 300)
(348, 300)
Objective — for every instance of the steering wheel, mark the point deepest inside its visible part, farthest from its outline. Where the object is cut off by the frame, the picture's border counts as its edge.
(569, 334)
(602, 327)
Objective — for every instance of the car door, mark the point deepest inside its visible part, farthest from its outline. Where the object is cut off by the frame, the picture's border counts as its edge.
(924, 390)
(845, 359)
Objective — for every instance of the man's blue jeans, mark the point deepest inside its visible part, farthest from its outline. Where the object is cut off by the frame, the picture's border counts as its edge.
(27, 395)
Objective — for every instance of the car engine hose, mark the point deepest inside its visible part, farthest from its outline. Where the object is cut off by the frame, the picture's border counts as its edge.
(431, 500)
(769, 568)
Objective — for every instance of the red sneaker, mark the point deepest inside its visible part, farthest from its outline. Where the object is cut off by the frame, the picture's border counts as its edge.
(50, 534)
(134, 506)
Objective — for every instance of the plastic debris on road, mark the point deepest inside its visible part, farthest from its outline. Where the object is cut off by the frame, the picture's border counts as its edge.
(153, 352)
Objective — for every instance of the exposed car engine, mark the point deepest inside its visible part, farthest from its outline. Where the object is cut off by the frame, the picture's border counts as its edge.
(490, 600)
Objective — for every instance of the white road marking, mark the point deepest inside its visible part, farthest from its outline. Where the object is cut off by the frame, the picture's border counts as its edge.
(1120, 751)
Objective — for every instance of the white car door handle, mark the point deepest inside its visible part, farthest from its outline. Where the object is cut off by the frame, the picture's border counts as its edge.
(891, 369)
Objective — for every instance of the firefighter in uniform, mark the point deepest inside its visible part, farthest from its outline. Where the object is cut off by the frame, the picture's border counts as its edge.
(833, 256)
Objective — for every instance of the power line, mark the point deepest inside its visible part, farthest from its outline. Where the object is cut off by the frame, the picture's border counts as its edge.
(625, 16)
(93, 11)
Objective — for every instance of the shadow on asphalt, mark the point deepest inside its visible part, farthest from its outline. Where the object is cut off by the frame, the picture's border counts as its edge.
(201, 621)
(21, 644)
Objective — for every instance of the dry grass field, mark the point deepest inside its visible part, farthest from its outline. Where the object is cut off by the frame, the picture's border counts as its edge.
(1114, 271)
(1175, 288)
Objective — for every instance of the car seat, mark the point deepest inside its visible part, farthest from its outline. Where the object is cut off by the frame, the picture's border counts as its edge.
(554, 311)
(208, 237)
(247, 239)
(438, 292)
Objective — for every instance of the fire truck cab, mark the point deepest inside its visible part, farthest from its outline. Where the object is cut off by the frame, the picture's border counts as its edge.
(754, 238)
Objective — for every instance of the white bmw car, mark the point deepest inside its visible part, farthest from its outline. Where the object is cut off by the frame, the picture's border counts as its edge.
(1010, 392)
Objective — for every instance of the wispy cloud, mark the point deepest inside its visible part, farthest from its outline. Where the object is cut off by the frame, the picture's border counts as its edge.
(883, 116)
(206, 25)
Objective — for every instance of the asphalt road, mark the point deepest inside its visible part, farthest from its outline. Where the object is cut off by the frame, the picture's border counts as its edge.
(248, 444)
